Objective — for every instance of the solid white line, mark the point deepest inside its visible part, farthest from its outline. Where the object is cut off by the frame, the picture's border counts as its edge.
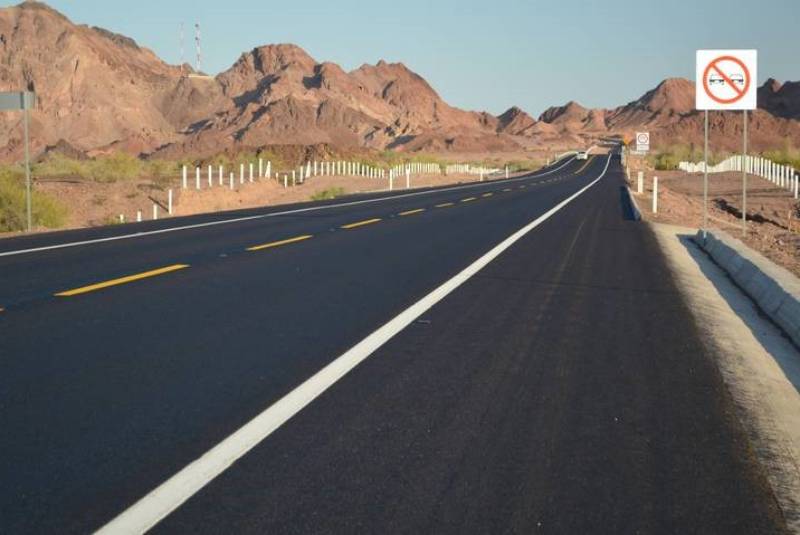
(262, 216)
(149, 510)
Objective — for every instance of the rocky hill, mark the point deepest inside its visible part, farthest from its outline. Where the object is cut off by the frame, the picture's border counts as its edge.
(99, 91)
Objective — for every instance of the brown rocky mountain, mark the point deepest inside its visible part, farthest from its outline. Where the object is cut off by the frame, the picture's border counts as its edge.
(99, 91)
(667, 111)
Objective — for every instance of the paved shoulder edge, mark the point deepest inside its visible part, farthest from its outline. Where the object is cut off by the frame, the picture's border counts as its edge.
(774, 289)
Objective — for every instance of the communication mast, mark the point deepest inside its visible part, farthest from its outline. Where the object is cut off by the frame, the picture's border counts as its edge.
(197, 43)
(183, 60)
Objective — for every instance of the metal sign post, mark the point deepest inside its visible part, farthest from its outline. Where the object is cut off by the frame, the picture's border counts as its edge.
(24, 101)
(744, 178)
(705, 177)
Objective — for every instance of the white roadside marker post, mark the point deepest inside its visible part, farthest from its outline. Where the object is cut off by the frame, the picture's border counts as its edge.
(231, 182)
(169, 202)
(185, 176)
(640, 182)
(251, 172)
(260, 168)
(210, 176)
(197, 177)
(241, 173)
(408, 178)
(155, 211)
(655, 194)
(121, 218)
(138, 216)
(220, 176)
(506, 172)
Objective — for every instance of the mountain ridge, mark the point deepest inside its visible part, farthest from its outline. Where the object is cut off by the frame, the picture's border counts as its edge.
(101, 91)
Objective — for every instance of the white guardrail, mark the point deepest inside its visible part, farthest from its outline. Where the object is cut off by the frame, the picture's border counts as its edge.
(783, 176)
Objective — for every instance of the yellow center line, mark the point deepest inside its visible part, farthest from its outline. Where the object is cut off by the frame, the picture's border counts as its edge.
(122, 280)
(279, 243)
(361, 223)
(411, 212)
(584, 165)
(469, 199)
(487, 194)
(444, 205)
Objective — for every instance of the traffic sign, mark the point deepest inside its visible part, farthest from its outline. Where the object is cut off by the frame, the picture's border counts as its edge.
(17, 100)
(642, 141)
(726, 79)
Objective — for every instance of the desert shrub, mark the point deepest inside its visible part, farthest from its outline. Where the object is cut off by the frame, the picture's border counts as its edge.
(518, 166)
(112, 168)
(46, 211)
(668, 158)
(328, 194)
(115, 168)
(784, 156)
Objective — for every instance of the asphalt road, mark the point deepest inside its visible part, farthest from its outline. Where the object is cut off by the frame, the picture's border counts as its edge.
(563, 389)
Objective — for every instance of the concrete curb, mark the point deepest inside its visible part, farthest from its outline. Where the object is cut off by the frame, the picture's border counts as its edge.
(774, 289)
(637, 214)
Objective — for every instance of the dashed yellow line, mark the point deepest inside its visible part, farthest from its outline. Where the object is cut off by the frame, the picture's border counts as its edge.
(445, 205)
(411, 212)
(487, 194)
(279, 243)
(361, 223)
(584, 166)
(469, 199)
(121, 280)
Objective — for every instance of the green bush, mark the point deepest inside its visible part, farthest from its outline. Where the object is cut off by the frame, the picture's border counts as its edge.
(113, 168)
(46, 211)
(668, 158)
(328, 194)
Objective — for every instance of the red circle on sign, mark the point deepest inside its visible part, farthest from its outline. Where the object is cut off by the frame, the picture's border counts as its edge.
(643, 139)
(739, 94)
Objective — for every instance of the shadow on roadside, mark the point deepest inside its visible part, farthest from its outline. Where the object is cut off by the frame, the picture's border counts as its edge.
(782, 349)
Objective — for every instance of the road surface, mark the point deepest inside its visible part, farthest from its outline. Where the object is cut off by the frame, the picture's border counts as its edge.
(561, 389)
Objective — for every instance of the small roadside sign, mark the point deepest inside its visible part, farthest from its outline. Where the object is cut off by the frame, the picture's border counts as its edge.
(642, 141)
(17, 100)
(726, 79)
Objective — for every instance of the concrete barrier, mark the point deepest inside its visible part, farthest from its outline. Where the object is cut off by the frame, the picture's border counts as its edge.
(774, 289)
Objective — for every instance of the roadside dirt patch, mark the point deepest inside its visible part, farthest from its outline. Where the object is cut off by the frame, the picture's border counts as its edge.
(773, 227)
(271, 192)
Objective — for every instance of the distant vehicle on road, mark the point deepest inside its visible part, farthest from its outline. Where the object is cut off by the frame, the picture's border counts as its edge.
(583, 155)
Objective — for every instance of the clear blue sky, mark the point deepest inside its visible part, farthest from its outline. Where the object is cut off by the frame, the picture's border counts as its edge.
(478, 55)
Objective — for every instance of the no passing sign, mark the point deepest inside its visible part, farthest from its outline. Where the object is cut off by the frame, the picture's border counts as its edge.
(726, 79)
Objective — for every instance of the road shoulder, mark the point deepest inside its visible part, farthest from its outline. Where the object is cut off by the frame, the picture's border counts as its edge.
(760, 365)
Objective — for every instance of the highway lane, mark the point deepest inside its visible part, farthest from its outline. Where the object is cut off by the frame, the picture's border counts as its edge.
(564, 389)
(107, 394)
(36, 276)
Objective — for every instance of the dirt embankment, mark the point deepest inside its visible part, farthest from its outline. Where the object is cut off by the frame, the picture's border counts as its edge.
(773, 226)
(94, 204)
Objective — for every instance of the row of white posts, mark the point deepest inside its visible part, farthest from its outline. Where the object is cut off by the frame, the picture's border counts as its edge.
(467, 169)
(783, 176)
(206, 177)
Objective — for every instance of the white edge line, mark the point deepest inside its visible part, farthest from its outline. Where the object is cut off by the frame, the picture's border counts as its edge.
(152, 508)
(272, 214)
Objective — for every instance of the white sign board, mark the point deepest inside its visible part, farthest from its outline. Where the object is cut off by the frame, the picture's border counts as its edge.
(17, 100)
(726, 79)
(642, 141)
